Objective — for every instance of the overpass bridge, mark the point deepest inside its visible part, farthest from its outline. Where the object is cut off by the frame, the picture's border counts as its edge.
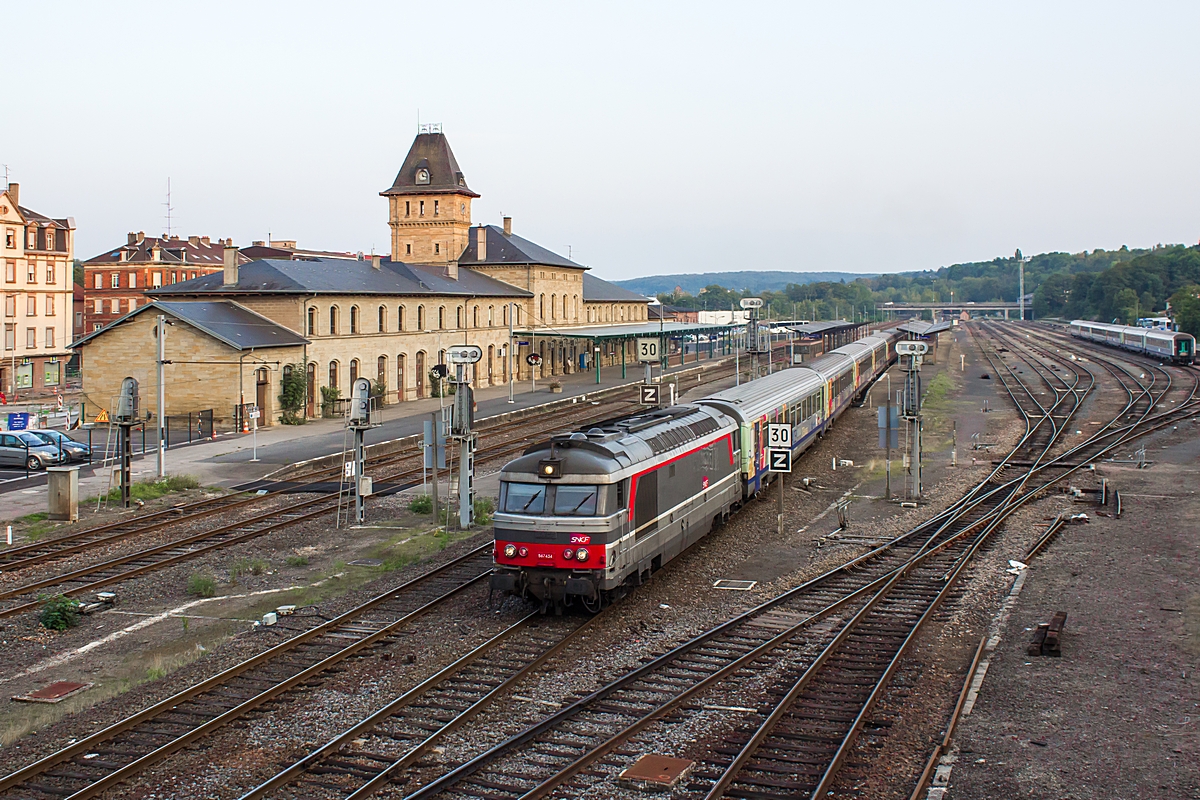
(974, 309)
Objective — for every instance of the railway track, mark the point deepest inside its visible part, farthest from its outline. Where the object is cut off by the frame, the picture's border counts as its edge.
(98, 762)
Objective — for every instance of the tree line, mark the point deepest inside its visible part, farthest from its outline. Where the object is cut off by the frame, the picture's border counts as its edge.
(1103, 285)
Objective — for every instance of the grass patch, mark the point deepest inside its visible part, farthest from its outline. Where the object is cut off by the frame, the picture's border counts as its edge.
(296, 561)
(938, 388)
(202, 585)
(247, 566)
(152, 490)
(484, 508)
(37, 516)
(421, 504)
(58, 613)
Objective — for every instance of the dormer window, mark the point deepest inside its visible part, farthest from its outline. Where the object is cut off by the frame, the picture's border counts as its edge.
(422, 175)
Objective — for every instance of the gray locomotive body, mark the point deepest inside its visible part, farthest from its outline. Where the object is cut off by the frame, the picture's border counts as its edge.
(589, 514)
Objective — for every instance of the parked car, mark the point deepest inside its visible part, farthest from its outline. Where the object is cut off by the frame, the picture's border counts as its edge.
(75, 451)
(23, 449)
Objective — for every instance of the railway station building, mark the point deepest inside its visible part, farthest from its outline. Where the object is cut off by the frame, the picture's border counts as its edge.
(390, 319)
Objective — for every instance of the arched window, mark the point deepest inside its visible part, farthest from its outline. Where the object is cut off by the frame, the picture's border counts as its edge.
(383, 319)
(402, 319)
(564, 306)
(554, 306)
(475, 317)
(333, 320)
(353, 372)
(420, 318)
(401, 386)
(542, 307)
(353, 319)
(458, 317)
(333, 374)
(505, 315)
(491, 316)
(441, 319)
(381, 364)
(312, 322)
(420, 375)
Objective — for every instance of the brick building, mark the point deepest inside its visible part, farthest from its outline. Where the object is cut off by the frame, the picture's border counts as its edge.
(38, 253)
(115, 282)
(391, 319)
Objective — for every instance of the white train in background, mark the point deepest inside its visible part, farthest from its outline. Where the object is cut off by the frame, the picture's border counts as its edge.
(1172, 346)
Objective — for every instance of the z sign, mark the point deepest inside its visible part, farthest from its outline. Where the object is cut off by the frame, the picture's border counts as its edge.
(650, 394)
(779, 460)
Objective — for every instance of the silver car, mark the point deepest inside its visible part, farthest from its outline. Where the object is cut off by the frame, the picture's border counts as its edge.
(23, 449)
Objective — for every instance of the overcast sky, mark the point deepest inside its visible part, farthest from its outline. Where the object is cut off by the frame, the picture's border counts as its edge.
(650, 138)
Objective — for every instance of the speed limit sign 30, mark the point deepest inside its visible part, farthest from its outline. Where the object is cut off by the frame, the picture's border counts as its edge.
(779, 435)
(647, 349)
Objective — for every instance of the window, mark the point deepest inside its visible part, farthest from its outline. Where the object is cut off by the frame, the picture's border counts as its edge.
(132, 304)
(99, 306)
(96, 326)
(408, 249)
(353, 371)
(31, 239)
(524, 498)
(31, 273)
(333, 321)
(52, 373)
(435, 208)
(116, 306)
(383, 319)
(31, 338)
(458, 317)
(420, 318)
(79, 319)
(115, 280)
(50, 272)
(441, 318)
(49, 305)
(31, 305)
(10, 305)
(491, 316)
(98, 281)
(333, 374)
(402, 319)
(174, 277)
(156, 280)
(381, 369)
(437, 248)
(49, 338)
(408, 213)
(312, 322)
(542, 306)
(10, 337)
(354, 319)
(505, 314)
(475, 317)
(10, 238)
(422, 208)
(554, 306)
(49, 238)
(10, 271)
(577, 501)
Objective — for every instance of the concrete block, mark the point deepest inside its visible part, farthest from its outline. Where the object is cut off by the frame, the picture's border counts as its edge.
(63, 493)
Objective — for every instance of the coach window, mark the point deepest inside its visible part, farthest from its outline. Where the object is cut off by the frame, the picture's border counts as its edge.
(524, 498)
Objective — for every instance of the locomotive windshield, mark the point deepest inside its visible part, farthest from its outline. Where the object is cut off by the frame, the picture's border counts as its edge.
(525, 498)
(575, 501)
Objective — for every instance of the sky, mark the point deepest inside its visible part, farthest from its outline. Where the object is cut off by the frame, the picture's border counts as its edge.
(643, 138)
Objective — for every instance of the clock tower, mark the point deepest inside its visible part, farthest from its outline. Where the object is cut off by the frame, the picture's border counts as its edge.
(429, 203)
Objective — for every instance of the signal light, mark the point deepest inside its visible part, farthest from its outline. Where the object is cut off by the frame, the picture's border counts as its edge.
(550, 468)
(510, 550)
(524, 551)
(582, 554)
(568, 554)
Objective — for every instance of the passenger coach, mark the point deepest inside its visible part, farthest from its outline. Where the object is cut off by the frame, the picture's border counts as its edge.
(1172, 346)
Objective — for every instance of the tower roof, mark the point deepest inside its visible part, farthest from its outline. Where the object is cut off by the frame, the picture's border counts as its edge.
(430, 167)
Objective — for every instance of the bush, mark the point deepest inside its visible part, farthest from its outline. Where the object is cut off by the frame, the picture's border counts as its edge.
(379, 392)
(484, 508)
(58, 613)
(297, 561)
(200, 585)
(421, 504)
(329, 398)
(293, 388)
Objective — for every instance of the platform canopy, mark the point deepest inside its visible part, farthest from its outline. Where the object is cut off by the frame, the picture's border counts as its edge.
(923, 328)
(630, 331)
(822, 328)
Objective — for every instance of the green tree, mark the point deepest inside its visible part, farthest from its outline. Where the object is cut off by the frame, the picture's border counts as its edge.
(293, 389)
(1124, 305)
(1185, 305)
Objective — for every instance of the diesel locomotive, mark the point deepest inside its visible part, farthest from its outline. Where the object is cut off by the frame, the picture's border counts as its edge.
(1170, 346)
(589, 514)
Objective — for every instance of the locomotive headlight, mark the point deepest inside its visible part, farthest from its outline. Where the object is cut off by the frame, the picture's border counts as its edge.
(524, 551)
(510, 550)
(582, 554)
(568, 554)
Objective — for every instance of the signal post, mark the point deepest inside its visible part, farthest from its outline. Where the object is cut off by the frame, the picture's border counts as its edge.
(462, 420)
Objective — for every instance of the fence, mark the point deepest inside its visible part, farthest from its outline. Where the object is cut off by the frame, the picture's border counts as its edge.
(195, 427)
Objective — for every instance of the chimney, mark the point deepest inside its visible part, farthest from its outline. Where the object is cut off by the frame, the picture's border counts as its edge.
(481, 242)
(376, 261)
(194, 241)
(452, 270)
(205, 240)
(508, 226)
(131, 238)
(231, 264)
(14, 193)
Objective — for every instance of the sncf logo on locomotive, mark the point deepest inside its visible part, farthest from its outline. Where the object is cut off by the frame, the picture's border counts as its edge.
(579, 538)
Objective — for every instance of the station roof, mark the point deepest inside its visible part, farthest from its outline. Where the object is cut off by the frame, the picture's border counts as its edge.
(923, 328)
(223, 320)
(630, 331)
(821, 328)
